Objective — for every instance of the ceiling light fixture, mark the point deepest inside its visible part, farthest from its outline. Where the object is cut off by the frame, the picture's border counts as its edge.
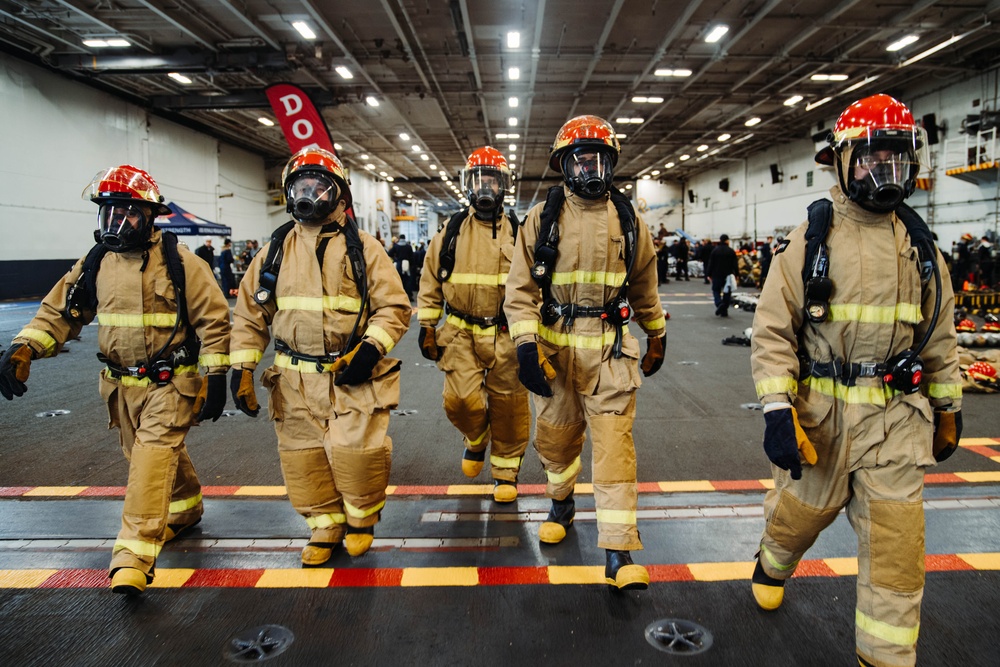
(372, 102)
(95, 43)
(684, 157)
(753, 121)
(646, 177)
(620, 135)
(672, 72)
(338, 147)
(743, 138)
(416, 148)
(434, 167)
(725, 136)
(828, 77)
(514, 73)
(512, 122)
(265, 121)
(343, 72)
(425, 157)
(792, 101)
(512, 102)
(902, 43)
(364, 156)
(512, 148)
(179, 78)
(404, 136)
(383, 174)
(934, 49)
(304, 29)
(513, 39)
(655, 172)
(702, 148)
(669, 165)
(716, 33)
(119, 43)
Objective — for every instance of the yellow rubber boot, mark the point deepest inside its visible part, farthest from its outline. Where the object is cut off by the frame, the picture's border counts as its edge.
(768, 592)
(472, 463)
(317, 553)
(128, 581)
(504, 491)
(359, 540)
(553, 531)
(621, 572)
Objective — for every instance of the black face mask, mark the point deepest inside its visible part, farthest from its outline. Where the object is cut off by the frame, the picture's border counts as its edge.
(122, 226)
(589, 177)
(886, 183)
(311, 198)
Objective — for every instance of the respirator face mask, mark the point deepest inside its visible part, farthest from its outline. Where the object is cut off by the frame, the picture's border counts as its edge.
(881, 177)
(122, 226)
(311, 198)
(588, 172)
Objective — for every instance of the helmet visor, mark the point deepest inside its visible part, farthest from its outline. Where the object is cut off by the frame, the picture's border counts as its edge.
(586, 164)
(312, 197)
(880, 167)
(485, 185)
(122, 225)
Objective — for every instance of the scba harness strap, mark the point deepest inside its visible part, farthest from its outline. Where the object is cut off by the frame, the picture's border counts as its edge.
(446, 258)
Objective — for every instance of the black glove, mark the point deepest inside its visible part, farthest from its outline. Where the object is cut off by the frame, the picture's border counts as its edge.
(15, 365)
(653, 359)
(947, 433)
(357, 365)
(428, 343)
(244, 396)
(534, 370)
(784, 439)
(211, 398)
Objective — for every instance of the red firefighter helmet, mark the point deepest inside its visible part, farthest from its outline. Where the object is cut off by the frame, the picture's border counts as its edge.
(584, 130)
(126, 183)
(966, 326)
(982, 371)
(486, 178)
(317, 161)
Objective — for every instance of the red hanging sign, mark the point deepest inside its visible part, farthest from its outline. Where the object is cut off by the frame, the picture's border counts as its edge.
(302, 124)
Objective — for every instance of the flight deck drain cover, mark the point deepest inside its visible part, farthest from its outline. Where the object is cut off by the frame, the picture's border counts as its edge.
(687, 362)
(751, 406)
(675, 635)
(259, 644)
(52, 413)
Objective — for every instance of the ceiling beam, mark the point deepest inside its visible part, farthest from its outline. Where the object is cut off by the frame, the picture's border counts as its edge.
(155, 7)
(251, 22)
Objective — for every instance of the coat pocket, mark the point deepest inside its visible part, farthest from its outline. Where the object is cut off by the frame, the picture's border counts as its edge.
(109, 394)
(271, 379)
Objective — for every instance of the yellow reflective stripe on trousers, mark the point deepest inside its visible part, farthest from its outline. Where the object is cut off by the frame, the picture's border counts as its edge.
(137, 547)
(773, 562)
(879, 395)
(429, 314)
(616, 516)
(178, 506)
(505, 462)
(578, 340)
(589, 278)
(939, 390)
(473, 443)
(568, 473)
(137, 320)
(128, 381)
(489, 279)
(894, 634)
(857, 312)
(776, 385)
(38, 336)
(207, 360)
(523, 327)
(325, 520)
(361, 514)
(285, 361)
(380, 334)
(246, 356)
(314, 303)
(476, 330)
(658, 323)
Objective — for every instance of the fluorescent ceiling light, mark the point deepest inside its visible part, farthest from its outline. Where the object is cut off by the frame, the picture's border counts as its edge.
(404, 136)
(642, 99)
(646, 177)
(828, 77)
(620, 135)
(655, 172)
(854, 87)
(390, 179)
(416, 148)
(119, 43)
(512, 148)
(425, 157)
(512, 121)
(364, 156)
(725, 136)
(395, 187)
(338, 147)
(716, 33)
(934, 49)
(702, 148)
(343, 72)
(383, 174)
(95, 43)
(813, 105)
(372, 102)
(370, 166)
(304, 29)
(179, 78)
(628, 187)
(512, 102)
(672, 72)
(513, 39)
(714, 152)
(684, 157)
(669, 165)
(434, 167)
(792, 101)
(265, 121)
(514, 73)
(902, 43)
(753, 121)
(510, 135)
(743, 138)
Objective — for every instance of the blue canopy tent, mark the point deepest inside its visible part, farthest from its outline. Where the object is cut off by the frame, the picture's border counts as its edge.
(182, 223)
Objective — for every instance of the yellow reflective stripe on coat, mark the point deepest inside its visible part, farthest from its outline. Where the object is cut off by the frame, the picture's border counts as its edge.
(137, 320)
(429, 314)
(379, 334)
(488, 279)
(360, 513)
(506, 462)
(246, 356)
(776, 385)
(894, 634)
(315, 303)
(523, 327)
(137, 547)
(476, 330)
(129, 381)
(939, 390)
(855, 395)
(616, 516)
(568, 473)
(579, 341)
(38, 336)
(653, 325)
(773, 562)
(325, 520)
(178, 506)
(857, 312)
(207, 360)
(285, 361)
(588, 278)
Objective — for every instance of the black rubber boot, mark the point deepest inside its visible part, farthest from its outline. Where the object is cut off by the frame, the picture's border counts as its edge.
(621, 572)
(560, 518)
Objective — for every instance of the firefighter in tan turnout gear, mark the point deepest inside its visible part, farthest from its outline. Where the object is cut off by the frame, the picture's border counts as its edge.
(335, 307)
(584, 265)
(153, 301)
(463, 279)
(855, 363)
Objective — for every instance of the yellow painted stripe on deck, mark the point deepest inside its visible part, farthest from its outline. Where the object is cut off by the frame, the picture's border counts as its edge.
(987, 561)
(24, 578)
(391, 489)
(171, 578)
(469, 489)
(295, 578)
(979, 476)
(995, 459)
(440, 576)
(584, 489)
(976, 442)
(767, 483)
(735, 571)
(261, 491)
(56, 491)
(845, 567)
(576, 574)
(692, 485)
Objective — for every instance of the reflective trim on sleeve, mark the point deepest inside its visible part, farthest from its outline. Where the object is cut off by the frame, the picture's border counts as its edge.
(246, 356)
(523, 327)
(772, 561)
(488, 279)
(893, 634)
(429, 314)
(137, 547)
(941, 390)
(653, 325)
(476, 330)
(325, 520)
(506, 462)
(207, 360)
(361, 514)
(854, 395)
(162, 320)
(776, 385)
(588, 278)
(178, 506)
(285, 361)
(568, 473)
(379, 334)
(38, 336)
(579, 341)
(314, 303)
(616, 516)
(129, 381)
(857, 312)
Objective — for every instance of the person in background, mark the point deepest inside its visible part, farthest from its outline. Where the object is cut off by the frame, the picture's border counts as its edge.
(722, 263)
(402, 254)
(985, 263)
(680, 251)
(226, 276)
(766, 253)
(207, 253)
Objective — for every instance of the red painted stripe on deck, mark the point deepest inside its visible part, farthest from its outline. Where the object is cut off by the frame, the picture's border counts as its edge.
(737, 485)
(669, 573)
(982, 450)
(227, 578)
(942, 478)
(945, 563)
(503, 576)
(381, 577)
(14, 491)
(219, 490)
(814, 568)
(100, 491)
(421, 490)
(77, 578)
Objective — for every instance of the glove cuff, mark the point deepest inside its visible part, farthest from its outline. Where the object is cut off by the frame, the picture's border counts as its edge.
(770, 407)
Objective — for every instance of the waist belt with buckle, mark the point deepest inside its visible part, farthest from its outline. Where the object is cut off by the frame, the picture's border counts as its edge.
(322, 362)
(552, 310)
(497, 321)
(160, 371)
(847, 373)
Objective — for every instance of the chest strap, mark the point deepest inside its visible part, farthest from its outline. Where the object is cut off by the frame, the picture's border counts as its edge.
(846, 373)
